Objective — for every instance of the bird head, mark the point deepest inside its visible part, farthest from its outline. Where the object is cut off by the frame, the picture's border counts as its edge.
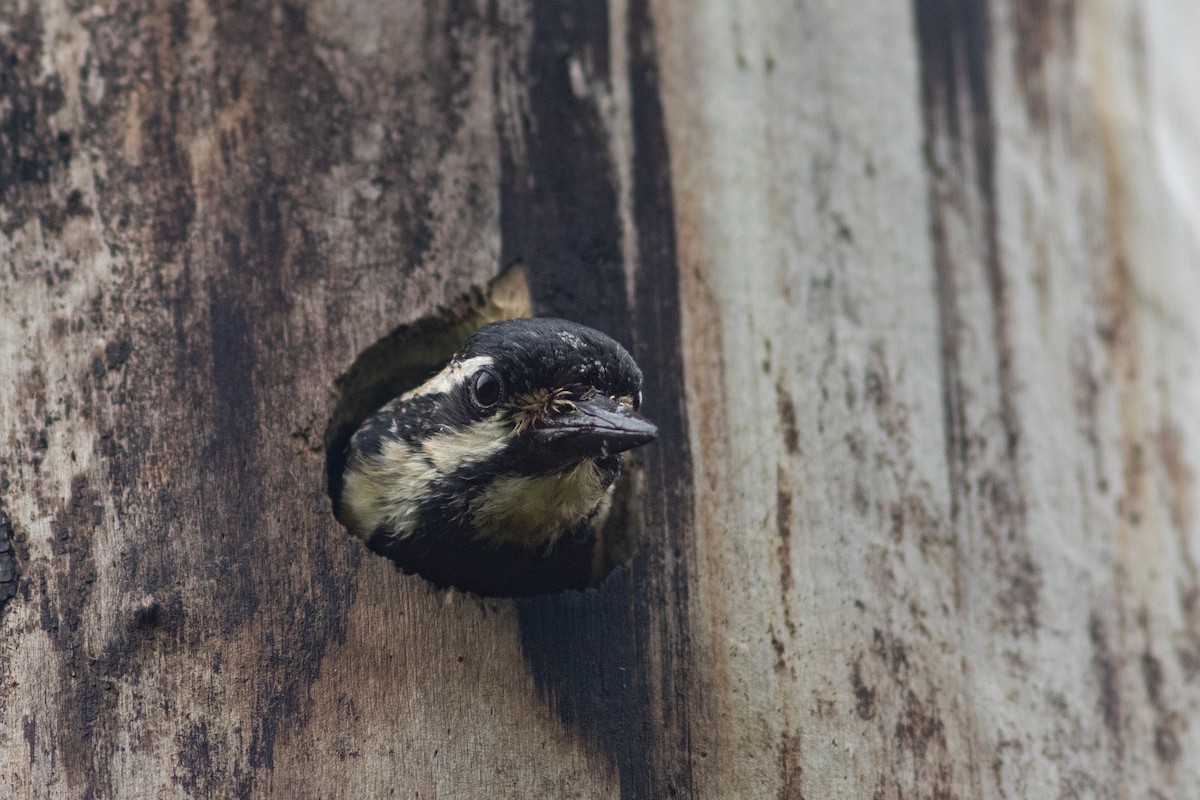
(554, 392)
(517, 439)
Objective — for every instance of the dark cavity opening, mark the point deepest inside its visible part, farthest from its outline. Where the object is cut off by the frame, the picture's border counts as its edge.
(406, 358)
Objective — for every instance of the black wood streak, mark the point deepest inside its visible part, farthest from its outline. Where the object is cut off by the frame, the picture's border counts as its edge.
(559, 216)
(85, 704)
(298, 130)
(31, 154)
(582, 648)
(166, 173)
(1106, 672)
(864, 696)
(212, 395)
(558, 197)
(244, 305)
(233, 368)
(229, 489)
(940, 39)
(669, 482)
(9, 571)
(953, 39)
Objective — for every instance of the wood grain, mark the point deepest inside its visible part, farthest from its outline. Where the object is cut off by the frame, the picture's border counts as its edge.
(936, 283)
(913, 288)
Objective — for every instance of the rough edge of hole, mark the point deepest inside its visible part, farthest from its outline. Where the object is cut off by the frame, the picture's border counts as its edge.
(411, 353)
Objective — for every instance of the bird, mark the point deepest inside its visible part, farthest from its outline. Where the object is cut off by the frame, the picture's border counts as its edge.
(493, 476)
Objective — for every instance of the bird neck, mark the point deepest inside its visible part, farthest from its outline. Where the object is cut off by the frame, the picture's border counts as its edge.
(534, 510)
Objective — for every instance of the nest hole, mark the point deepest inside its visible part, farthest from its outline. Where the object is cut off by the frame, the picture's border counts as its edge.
(406, 358)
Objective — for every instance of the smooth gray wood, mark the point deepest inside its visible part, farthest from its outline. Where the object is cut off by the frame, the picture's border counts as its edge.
(913, 286)
(939, 273)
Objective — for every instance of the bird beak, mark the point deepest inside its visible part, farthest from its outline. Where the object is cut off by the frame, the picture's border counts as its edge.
(596, 426)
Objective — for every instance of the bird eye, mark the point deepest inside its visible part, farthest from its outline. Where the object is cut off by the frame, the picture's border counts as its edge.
(486, 388)
(637, 401)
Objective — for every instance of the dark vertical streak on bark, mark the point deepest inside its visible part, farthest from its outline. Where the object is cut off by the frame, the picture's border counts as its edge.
(9, 572)
(582, 649)
(975, 53)
(84, 704)
(953, 43)
(669, 513)
(194, 387)
(1106, 669)
(939, 87)
(250, 292)
(559, 197)
(559, 218)
(590, 654)
(30, 152)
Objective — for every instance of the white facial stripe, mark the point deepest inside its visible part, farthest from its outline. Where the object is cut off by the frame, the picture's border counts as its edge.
(453, 376)
(449, 451)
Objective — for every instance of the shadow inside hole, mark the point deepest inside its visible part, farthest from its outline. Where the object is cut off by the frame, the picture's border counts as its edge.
(406, 358)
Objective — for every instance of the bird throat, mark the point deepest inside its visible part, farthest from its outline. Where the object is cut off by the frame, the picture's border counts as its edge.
(534, 510)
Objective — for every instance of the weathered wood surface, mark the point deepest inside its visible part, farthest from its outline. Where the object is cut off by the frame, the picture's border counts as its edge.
(914, 287)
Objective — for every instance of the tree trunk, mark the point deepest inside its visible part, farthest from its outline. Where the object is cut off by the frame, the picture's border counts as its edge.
(914, 290)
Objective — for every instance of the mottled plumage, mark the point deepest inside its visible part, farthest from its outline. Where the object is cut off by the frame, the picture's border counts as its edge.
(488, 476)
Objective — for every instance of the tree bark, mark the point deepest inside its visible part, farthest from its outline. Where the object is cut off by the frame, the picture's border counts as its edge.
(914, 290)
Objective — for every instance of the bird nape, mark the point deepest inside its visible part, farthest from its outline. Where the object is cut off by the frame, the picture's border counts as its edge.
(494, 475)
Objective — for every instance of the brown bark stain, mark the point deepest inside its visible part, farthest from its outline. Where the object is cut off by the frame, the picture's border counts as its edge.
(705, 380)
(1141, 446)
(784, 525)
(1045, 30)
(879, 392)
(791, 767)
(919, 726)
(1180, 481)
(1107, 673)
(1188, 648)
(780, 653)
(1168, 722)
(1166, 736)
(864, 696)
(891, 652)
(911, 516)
(1180, 478)
(1125, 345)
(704, 354)
(913, 716)
(1086, 385)
(787, 419)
